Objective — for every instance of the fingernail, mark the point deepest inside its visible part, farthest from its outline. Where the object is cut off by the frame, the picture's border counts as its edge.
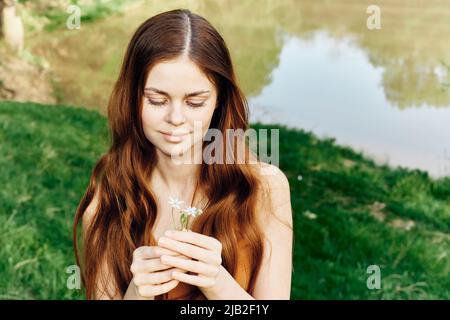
(168, 233)
(162, 240)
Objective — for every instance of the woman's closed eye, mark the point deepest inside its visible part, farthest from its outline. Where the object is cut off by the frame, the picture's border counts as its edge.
(196, 104)
(159, 102)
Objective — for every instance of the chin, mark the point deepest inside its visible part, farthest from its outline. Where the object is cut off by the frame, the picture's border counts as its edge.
(174, 150)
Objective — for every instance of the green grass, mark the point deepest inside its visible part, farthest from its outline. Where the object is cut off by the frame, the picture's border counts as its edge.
(48, 152)
(46, 156)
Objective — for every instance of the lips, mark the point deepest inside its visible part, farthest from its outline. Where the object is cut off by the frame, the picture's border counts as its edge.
(173, 136)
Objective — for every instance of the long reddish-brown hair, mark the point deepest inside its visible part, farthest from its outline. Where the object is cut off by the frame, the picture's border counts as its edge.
(126, 210)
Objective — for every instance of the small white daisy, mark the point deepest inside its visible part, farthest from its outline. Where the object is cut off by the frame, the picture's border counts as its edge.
(185, 214)
(191, 211)
(175, 203)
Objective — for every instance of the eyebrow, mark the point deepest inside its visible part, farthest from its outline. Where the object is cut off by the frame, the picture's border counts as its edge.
(196, 93)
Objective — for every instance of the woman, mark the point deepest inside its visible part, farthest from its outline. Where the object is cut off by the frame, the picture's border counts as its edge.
(177, 84)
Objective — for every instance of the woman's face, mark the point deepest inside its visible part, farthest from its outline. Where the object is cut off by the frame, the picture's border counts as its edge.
(177, 96)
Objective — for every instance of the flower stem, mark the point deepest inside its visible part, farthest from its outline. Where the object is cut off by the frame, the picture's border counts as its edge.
(173, 220)
(187, 221)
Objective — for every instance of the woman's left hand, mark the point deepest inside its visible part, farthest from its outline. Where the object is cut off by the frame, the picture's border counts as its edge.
(206, 250)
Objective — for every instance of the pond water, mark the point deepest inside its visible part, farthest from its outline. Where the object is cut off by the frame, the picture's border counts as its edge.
(305, 64)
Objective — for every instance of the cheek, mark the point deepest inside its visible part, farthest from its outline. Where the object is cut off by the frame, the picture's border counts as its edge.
(151, 122)
(150, 119)
(201, 122)
(205, 116)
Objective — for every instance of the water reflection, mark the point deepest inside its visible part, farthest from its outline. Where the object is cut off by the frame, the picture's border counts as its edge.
(329, 86)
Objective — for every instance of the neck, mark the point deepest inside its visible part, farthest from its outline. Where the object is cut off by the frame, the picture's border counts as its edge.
(178, 179)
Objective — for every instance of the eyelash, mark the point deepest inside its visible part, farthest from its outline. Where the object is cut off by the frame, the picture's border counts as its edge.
(192, 105)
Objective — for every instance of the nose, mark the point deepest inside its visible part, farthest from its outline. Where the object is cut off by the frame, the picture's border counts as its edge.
(175, 114)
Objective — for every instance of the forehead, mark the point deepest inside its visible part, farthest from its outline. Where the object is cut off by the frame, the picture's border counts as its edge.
(178, 77)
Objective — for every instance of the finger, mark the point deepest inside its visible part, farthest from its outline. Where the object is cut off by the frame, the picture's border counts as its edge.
(145, 252)
(190, 250)
(195, 238)
(148, 266)
(151, 291)
(144, 279)
(164, 251)
(151, 252)
(191, 265)
(194, 280)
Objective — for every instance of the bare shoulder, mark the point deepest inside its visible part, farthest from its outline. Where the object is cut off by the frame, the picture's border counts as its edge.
(272, 177)
(274, 194)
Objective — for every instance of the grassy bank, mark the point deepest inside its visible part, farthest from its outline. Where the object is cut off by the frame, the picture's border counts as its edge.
(348, 212)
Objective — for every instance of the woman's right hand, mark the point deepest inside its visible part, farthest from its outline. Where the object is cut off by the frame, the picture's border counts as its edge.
(150, 276)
